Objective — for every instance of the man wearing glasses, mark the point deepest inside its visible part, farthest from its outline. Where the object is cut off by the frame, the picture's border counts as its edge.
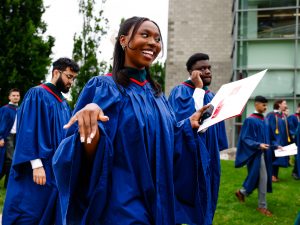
(32, 194)
(185, 99)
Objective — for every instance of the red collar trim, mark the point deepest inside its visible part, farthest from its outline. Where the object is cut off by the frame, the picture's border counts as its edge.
(191, 86)
(138, 82)
(277, 114)
(186, 84)
(49, 90)
(11, 107)
(133, 80)
(256, 116)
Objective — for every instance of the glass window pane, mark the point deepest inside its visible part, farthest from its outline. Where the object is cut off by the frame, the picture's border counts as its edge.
(254, 4)
(267, 24)
(275, 84)
(271, 54)
(298, 54)
(242, 54)
(276, 23)
(298, 83)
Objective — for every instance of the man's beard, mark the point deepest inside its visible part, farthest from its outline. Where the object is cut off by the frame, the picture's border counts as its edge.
(206, 82)
(61, 86)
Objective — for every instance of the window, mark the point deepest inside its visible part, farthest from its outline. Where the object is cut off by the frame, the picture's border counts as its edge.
(267, 24)
(254, 4)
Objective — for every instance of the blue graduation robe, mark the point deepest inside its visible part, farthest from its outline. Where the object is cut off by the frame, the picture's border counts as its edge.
(254, 132)
(278, 136)
(7, 119)
(211, 142)
(41, 117)
(294, 128)
(135, 176)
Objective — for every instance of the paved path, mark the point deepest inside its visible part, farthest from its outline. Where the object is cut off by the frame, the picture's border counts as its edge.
(228, 154)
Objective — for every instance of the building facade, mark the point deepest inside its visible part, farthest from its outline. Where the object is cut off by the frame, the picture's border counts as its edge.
(199, 26)
(242, 37)
(266, 36)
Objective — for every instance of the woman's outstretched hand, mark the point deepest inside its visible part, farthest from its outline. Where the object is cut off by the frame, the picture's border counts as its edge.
(87, 119)
(195, 118)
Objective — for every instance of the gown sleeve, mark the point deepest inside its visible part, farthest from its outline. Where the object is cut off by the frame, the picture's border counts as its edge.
(222, 137)
(292, 124)
(247, 144)
(83, 197)
(33, 130)
(6, 121)
(190, 162)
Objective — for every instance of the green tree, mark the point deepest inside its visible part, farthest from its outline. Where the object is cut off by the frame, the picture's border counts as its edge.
(86, 46)
(24, 53)
(158, 72)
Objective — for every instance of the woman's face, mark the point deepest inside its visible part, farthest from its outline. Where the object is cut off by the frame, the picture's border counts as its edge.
(144, 46)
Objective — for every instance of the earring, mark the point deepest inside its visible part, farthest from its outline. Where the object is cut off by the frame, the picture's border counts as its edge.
(123, 47)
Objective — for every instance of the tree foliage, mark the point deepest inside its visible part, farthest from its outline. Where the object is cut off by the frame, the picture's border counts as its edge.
(158, 73)
(24, 54)
(86, 46)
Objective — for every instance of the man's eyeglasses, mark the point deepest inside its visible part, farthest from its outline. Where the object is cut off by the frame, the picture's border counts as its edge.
(69, 76)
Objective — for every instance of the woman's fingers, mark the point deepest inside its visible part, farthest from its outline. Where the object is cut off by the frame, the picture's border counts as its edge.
(87, 119)
(103, 118)
(81, 128)
(71, 122)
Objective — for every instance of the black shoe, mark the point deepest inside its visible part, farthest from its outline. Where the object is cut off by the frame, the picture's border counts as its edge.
(296, 177)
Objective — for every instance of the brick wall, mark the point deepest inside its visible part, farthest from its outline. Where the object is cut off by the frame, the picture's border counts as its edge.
(200, 26)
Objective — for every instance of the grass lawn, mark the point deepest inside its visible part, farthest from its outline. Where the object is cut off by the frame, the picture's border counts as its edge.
(284, 202)
(2, 194)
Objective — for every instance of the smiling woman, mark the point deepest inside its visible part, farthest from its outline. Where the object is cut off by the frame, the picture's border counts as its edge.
(138, 46)
(122, 162)
(147, 42)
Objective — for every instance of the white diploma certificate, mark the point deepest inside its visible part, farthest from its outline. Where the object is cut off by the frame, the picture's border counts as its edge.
(231, 99)
(287, 150)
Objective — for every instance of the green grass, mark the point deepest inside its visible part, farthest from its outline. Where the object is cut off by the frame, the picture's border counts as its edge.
(284, 202)
(2, 194)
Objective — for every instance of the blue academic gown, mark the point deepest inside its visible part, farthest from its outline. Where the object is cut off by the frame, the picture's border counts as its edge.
(278, 136)
(135, 176)
(211, 141)
(39, 131)
(254, 132)
(7, 119)
(294, 128)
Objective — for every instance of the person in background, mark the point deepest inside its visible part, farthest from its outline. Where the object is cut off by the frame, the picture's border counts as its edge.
(8, 133)
(31, 196)
(294, 128)
(279, 135)
(252, 147)
(185, 99)
(286, 112)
